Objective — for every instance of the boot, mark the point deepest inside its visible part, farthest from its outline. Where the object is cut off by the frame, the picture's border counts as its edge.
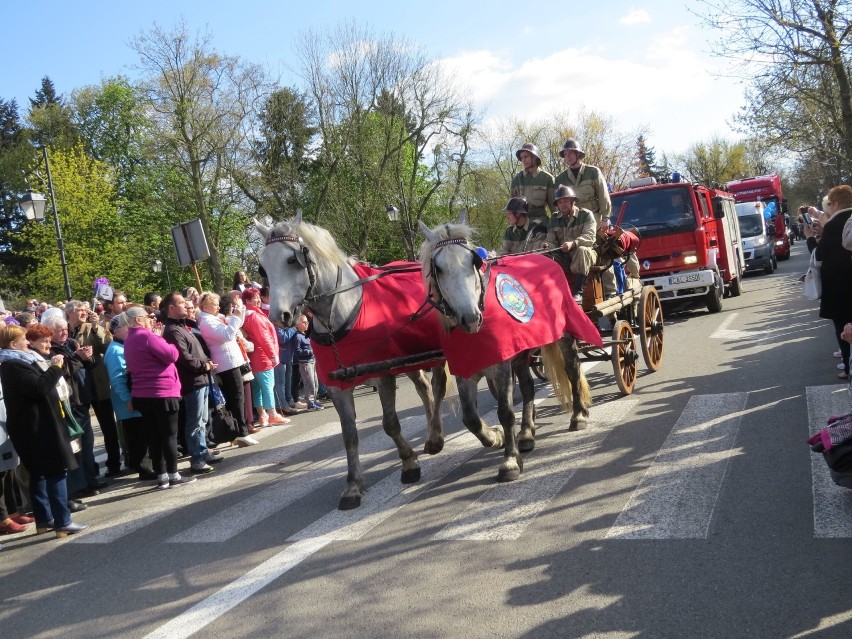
(577, 286)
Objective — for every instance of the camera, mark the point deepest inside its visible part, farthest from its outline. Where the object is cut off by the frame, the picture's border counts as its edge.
(808, 219)
(803, 209)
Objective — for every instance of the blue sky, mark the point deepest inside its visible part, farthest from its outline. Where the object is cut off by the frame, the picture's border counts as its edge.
(644, 62)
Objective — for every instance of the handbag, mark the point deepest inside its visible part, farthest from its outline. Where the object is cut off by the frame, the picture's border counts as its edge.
(75, 431)
(224, 425)
(813, 279)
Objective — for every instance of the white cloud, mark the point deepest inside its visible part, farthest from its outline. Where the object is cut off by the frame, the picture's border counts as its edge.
(665, 85)
(635, 16)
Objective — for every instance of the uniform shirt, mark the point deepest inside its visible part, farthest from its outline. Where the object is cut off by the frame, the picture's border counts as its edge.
(590, 187)
(515, 238)
(579, 227)
(537, 188)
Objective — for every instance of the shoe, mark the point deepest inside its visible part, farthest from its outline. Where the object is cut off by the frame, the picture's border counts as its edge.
(11, 528)
(840, 366)
(88, 492)
(242, 442)
(324, 397)
(278, 419)
(253, 429)
(23, 520)
(76, 506)
(146, 474)
(301, 405)
(263, 422)
(180, 481)
(837, 354)
(163, 484)
(315, 406)
(116, 472)
(100, 484)
(843, 375)
(70, 529)
(210, 459)
(44, 528)
(578, 298)
(201, 469)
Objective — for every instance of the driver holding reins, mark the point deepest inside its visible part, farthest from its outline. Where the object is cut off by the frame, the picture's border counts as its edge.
(573, 230)
(522, 235)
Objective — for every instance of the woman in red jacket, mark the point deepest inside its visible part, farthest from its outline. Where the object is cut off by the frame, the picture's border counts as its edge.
(264, 358)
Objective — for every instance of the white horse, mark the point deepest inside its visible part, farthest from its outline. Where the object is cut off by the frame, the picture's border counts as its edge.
(460, 287)
(305, 267)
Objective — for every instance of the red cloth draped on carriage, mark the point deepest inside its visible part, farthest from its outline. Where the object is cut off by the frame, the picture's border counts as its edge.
(528, 304)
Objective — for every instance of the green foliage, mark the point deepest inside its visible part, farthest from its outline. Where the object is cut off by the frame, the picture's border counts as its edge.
(717, 160)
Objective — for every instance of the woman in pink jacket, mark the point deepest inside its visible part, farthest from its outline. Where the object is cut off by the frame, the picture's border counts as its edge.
(264, 358)
(155, 392)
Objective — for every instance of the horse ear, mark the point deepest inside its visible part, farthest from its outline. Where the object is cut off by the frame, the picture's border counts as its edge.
(463, 217)
(427, 232)
(261, 228)
(298, 218)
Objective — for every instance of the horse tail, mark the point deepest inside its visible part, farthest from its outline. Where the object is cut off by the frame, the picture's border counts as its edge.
(554, 367)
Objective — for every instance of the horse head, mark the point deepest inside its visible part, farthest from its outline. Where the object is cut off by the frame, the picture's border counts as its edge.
(452, 272)
(295, 262)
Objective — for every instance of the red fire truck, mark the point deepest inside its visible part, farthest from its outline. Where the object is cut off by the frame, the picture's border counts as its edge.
(690, 248)
(766, 189)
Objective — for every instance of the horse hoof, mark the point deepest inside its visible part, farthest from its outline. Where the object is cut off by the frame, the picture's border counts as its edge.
(410, 476)
(349, 502)
(526, 444)
(433, 448)
(578, 424)
(508, 474)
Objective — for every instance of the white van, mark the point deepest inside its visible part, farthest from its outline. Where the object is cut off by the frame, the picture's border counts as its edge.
(758, 243)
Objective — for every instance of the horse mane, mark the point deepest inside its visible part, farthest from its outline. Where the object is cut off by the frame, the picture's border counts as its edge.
(317, 239)
(427, 249)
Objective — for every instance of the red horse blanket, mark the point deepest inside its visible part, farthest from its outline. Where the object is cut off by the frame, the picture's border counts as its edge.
(383, 329)
(528, 304)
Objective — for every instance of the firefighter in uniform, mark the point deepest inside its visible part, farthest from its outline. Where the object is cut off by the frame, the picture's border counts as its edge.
(592, 193)
(573, 230)
(522, 235)
(534, 184)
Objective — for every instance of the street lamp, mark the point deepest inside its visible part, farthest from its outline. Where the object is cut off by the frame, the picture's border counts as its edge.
(33, 205)
(157, 267)
(394, 216)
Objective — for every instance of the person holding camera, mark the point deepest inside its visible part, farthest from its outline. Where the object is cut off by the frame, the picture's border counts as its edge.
(221, 333)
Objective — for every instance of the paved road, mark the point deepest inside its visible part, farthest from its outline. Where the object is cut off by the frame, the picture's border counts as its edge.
(692, 508)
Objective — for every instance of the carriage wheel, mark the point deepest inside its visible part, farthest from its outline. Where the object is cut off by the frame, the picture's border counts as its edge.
(537, 365)
(651, 327)
(624, 357)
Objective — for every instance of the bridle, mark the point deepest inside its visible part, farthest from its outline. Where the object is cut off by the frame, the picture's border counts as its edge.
(436, 297)
(302, 255)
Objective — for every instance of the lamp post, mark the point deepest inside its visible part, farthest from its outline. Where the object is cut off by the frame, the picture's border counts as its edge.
(394, 216)
(33, 205)
(157, 267)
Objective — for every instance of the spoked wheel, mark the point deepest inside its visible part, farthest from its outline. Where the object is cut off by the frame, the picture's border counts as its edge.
(624, 357)
(651, 327)
(537, 365)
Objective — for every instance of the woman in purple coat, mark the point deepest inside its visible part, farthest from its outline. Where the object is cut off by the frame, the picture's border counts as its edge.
(155, 392)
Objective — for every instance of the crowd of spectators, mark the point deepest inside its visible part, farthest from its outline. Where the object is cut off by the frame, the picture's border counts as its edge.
(829, 238)
(150, 374)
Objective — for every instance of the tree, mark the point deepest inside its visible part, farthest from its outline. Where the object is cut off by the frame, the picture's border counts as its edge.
(92, 230)
(200, 102)
(276, 175)
(15, 157)
(797, 57)
(715, 161)
(393, 130)
(646, 161)
(50, 118)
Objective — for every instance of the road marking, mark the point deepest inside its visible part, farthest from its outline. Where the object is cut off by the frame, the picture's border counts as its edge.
(723, 332)
(290, 487)
(168, 501)
(383, 500)
(832, 503)
(504, 511)
(677, 495)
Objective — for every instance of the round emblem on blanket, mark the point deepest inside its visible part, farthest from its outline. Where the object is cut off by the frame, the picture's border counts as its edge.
(514, 298)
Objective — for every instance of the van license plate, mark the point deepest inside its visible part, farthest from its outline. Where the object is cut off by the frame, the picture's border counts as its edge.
(683, 279)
